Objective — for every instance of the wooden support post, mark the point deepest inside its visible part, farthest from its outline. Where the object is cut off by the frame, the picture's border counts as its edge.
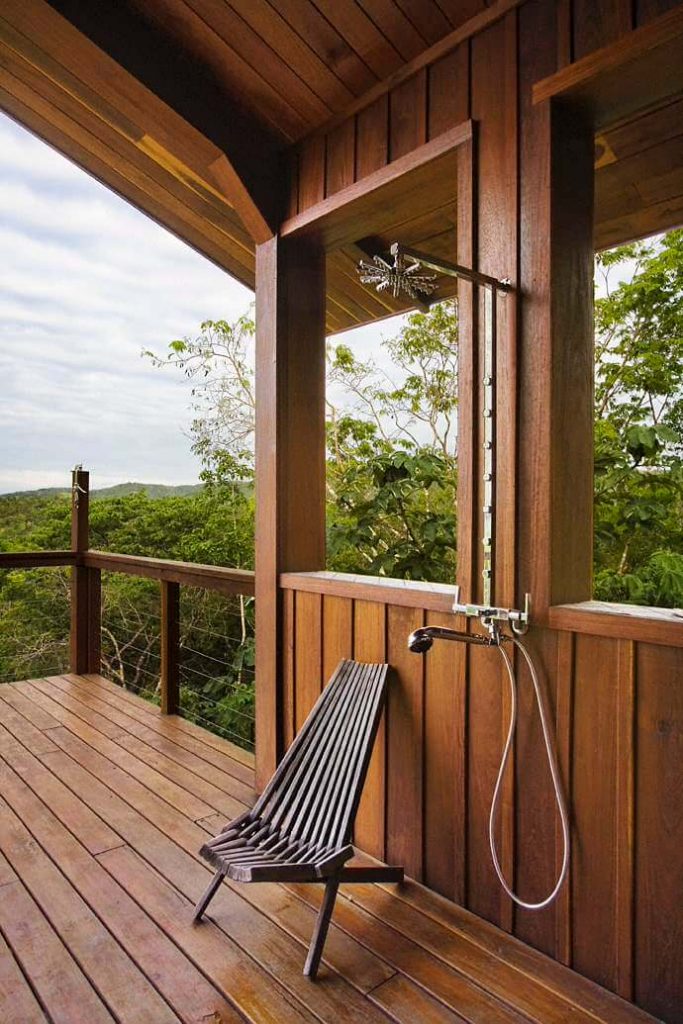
(290, 455)
(86, 595)
(170, 647)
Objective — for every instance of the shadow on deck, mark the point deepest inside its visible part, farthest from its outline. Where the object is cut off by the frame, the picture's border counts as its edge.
(104, 806)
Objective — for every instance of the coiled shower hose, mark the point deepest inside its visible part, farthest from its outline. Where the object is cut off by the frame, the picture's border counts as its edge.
(554, 773)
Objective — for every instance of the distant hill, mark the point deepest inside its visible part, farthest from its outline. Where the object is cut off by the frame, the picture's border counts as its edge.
(117, 491)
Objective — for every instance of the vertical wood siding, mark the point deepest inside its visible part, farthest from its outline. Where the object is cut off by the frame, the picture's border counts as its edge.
(427, 797)
(618, 704)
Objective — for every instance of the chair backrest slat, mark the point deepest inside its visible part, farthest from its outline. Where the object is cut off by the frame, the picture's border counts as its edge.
(314, 795)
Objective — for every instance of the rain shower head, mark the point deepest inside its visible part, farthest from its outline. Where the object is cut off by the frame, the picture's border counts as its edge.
(400, 275)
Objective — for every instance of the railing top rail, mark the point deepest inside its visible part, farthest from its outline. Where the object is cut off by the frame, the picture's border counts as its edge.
(35, 559)
(189, 574)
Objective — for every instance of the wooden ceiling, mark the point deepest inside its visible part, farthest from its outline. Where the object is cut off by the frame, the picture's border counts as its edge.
(149, 97)
(121, 87)
(639, 176)
(294, 63)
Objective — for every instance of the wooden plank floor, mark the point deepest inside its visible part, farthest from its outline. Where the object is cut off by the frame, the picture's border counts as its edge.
(103, 806)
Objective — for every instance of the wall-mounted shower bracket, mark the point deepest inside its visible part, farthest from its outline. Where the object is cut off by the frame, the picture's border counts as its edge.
(492, 617)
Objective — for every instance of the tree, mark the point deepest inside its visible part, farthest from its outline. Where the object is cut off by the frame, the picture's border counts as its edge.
(391, 445)
(639, 424)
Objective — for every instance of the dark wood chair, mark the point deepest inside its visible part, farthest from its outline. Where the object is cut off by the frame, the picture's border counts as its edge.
(300, 829)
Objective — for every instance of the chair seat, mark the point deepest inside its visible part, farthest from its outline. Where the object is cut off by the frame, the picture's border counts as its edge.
(249, 850)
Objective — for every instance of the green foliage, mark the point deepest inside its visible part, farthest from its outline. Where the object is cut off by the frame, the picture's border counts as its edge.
(392, 473)
(639, 425)
(213, 525)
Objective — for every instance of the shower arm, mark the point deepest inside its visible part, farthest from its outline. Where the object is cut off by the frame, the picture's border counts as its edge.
(487, 613)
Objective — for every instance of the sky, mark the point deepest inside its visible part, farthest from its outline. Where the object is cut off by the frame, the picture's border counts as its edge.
(87, 283)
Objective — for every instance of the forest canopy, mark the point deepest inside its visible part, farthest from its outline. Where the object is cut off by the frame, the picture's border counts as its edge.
(391, 485)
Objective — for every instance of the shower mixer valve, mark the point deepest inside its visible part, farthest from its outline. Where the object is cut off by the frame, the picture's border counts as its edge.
(492, 617)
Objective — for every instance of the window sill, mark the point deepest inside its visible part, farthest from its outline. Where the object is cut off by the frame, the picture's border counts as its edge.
(624, 621)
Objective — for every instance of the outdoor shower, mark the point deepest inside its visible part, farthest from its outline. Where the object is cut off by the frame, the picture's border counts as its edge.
(406, 272)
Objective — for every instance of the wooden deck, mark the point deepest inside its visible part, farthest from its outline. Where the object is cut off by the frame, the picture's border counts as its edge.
(104, 804)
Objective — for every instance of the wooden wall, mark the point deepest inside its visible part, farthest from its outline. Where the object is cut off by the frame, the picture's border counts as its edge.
(617, 700)
(618, 710)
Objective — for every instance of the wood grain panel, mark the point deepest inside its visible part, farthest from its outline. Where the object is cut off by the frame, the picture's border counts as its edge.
(537, 820)
(337, 633)
(405, 738)
(659, 832)
(449, 91)
(647, 10)
(408, 115)
(497, 255)
(598, 24)
(445, 760)
(288, 668)
(341, 156)
(311, 172)
(369, 644)
(372, 137)
(308, 641)
(594, 800)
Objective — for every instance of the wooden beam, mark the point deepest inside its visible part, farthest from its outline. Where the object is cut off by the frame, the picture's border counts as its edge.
(189, 574)
(107, 59)
(422, 180)
(36, 559)
(639, 70)
(290, 455)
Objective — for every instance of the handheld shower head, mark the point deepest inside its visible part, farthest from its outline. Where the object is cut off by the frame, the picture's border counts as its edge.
(420, 640)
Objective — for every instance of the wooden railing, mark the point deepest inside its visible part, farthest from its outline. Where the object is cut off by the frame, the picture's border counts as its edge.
(87, 566)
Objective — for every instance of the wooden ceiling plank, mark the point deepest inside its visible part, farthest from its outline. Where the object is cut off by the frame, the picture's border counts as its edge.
(193, 38)
(642, 68)
(362, 35)
(163, 192)
(31, 87)
(638, 224)
(402, 33)
(473, 26)
(239, 37)
(130, 108)
(307, 21)
(427, 17)
(643, 166)
(459, 11)
(70, 57)
(651, 129)
(195, 236)
(270, 24)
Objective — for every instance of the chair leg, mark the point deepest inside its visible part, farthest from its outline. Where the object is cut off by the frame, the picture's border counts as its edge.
(315, 950)
(207, 897)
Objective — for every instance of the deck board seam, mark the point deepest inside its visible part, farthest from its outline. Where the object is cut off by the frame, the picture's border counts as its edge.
(169, 756)
(24, 973)
(124, 696)
(140, 703)
(563, 1002)
(27, 888)
(137, 967)
(123, 750)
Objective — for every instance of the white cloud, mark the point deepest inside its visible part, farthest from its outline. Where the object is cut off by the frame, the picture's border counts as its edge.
(86, 283)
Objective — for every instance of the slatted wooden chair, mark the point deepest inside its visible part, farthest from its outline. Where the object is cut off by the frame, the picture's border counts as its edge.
(300, 828)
